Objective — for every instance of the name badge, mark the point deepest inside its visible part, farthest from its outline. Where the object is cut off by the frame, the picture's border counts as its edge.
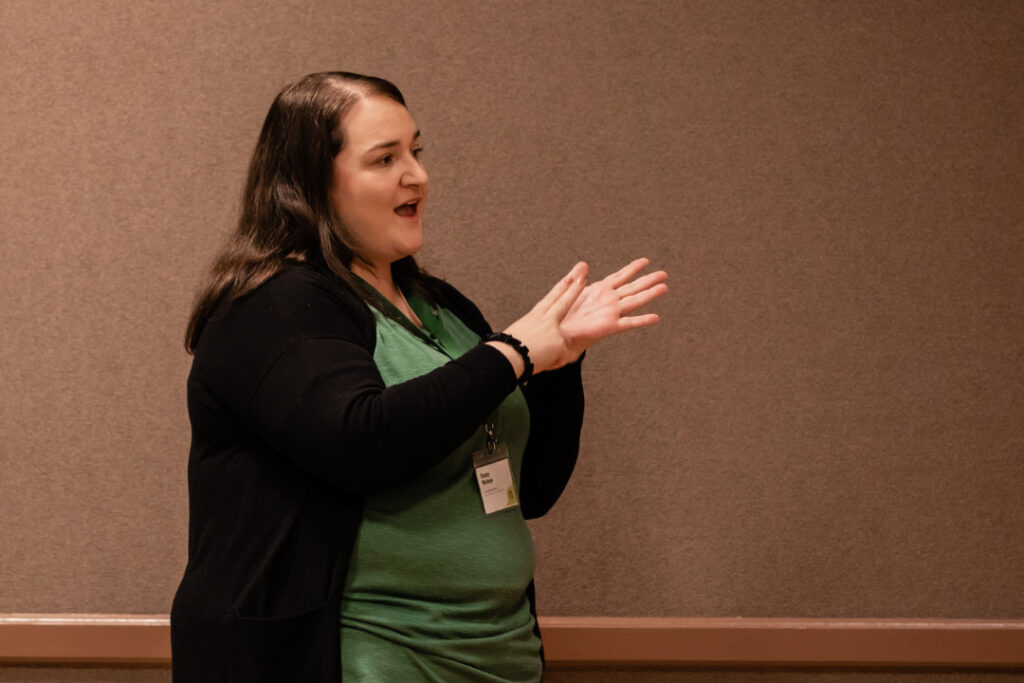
(494, 477)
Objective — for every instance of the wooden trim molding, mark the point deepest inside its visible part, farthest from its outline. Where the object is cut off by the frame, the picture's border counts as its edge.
(772, 642)
(115, 639)
(144, 639)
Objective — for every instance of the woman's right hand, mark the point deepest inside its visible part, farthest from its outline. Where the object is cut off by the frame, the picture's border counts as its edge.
(540, 330)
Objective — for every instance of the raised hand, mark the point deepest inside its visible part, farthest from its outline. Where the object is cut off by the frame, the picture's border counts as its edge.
(603, 308)
(540, 329)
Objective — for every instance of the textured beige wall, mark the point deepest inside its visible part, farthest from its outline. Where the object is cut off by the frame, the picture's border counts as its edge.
(827, 422)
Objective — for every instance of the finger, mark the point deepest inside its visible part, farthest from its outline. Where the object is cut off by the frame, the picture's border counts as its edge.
(561, 306)
(628, 304)
(642, 283)
(635, 321)
(560, 288)
(624, 275)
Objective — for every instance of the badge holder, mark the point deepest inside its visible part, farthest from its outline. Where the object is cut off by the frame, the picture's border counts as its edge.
(494, 475)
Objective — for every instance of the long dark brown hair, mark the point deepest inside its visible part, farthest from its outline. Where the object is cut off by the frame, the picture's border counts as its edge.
(286, 216)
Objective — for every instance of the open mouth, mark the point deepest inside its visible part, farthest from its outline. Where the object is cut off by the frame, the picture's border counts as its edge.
(409, 209)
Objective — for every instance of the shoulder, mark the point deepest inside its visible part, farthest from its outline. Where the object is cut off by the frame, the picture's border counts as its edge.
(246, 336)
(295, 304)
(300, 289)
(300, 302)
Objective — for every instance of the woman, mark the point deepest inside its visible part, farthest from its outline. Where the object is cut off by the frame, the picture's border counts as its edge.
(362, 458)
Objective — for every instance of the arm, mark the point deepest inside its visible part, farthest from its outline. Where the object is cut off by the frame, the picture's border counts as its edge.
(319, 400)
(556, 417)
(291, 365)
(324, 406)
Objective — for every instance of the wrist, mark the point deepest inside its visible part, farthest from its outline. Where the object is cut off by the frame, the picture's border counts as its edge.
(515, 351)
(511, 355)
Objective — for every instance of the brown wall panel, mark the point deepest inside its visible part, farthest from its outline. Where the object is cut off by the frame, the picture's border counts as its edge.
(825, 424)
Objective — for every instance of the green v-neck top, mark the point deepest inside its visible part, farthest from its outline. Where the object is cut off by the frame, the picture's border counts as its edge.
(436, 589)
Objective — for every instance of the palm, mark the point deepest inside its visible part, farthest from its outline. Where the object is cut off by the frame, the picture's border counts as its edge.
(603, 308)
(594, 315)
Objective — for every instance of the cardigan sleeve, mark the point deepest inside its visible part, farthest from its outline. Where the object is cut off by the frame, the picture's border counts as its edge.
(324, 406)
(293, 362)
(556, 419)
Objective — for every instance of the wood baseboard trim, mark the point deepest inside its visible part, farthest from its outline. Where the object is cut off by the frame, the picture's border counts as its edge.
(112, 639)
(144, 640)
(773, 642)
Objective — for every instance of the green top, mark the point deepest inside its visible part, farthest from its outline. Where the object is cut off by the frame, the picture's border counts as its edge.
(436, 589)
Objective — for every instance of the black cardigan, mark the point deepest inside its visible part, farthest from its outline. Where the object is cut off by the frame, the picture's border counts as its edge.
(291, 427)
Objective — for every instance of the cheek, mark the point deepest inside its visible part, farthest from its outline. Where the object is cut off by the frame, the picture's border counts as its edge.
(340, 198)
(349, 201)
(369, 197)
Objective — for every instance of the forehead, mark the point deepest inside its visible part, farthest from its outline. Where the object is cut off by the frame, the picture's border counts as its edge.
(376, 119)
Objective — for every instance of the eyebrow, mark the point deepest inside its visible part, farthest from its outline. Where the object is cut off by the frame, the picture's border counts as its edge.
(392, 143)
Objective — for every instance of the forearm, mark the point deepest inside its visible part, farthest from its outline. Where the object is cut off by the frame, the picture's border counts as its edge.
(514, 358)
(342, 424)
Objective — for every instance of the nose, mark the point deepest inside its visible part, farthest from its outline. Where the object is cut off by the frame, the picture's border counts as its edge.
(414, 173)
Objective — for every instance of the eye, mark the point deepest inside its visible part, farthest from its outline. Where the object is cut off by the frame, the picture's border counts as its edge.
(386, 160)
(417, 152)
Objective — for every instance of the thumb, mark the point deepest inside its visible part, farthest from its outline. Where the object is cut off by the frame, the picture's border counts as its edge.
(562, 304)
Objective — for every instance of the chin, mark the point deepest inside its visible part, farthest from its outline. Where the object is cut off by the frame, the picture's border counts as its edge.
(406, 252)
(414, 247)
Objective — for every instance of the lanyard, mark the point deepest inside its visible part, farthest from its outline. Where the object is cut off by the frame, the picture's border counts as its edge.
(492, 442)
(432, 333)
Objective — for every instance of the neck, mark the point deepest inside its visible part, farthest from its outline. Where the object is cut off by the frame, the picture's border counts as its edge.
(380, 278)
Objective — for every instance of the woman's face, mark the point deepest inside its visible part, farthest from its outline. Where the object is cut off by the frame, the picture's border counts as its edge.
(379, 186)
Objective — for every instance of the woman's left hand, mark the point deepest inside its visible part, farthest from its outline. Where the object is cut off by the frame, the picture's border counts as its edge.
(603, 307)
